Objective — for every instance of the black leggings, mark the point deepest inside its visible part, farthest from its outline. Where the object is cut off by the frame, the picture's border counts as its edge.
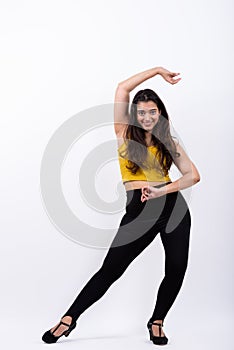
(168, 214)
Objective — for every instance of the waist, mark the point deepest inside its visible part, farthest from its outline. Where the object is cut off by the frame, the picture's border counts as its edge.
(138, 184)
(138, 190)
(149, 208)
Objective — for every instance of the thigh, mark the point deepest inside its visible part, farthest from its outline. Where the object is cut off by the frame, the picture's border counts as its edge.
(132, 237)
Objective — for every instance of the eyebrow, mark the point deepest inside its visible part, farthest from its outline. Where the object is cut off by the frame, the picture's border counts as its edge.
(150, 109)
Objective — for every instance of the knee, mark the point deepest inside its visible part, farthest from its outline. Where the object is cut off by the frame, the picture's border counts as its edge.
(177, 269)
(111, 272)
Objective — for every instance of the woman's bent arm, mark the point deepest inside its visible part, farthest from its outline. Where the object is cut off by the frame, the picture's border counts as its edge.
(132, 82)
(121, 107)
(187, 168)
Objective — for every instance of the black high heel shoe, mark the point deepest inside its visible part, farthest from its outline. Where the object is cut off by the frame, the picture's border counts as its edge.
(158, 340)
(49, 337)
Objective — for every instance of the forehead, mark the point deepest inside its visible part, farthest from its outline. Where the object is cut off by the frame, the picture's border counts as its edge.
(147, 105)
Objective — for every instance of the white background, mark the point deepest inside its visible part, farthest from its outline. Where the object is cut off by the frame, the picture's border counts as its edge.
(60, 57)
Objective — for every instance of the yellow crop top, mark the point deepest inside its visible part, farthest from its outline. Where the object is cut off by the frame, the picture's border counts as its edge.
(151, 174)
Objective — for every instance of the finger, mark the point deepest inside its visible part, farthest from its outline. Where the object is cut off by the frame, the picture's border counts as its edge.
(173, 73)
(176, 80)
(142, 189)
(144, 198)
(170, 80)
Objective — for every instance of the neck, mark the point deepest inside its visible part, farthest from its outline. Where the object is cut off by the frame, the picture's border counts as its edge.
(148, 138)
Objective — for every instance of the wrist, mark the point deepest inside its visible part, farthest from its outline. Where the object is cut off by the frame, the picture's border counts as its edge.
(162, 191)
(159, 70)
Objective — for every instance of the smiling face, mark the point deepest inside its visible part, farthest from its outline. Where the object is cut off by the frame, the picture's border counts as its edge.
(147, 115)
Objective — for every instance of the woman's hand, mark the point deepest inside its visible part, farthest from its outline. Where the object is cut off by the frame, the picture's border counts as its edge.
(150, 192)
(168, 76)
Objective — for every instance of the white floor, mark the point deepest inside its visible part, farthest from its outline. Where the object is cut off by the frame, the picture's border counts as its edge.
(216, 334)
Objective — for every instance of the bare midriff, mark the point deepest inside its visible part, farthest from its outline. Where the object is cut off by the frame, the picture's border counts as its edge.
(135, 184)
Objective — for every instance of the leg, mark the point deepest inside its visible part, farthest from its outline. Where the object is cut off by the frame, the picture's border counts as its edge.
(176, 246)
(117, 259)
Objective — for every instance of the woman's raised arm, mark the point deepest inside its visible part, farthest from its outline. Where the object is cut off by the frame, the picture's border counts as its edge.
(121, 106)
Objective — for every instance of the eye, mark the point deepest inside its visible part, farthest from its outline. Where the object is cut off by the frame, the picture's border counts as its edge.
(141, 113)
(153, 112)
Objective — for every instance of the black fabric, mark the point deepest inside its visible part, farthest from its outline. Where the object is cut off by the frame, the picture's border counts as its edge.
(168, 215)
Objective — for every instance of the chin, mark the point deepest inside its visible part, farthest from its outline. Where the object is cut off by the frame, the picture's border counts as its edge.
(148, 128)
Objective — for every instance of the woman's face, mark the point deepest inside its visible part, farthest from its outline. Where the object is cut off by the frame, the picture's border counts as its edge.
(147, 114)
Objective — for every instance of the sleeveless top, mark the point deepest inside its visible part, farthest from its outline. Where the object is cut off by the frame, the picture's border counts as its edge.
(151, 174)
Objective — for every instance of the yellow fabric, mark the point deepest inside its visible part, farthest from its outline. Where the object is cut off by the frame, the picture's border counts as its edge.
(151, 174)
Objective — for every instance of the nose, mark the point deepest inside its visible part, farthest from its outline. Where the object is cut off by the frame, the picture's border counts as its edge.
(147, 116)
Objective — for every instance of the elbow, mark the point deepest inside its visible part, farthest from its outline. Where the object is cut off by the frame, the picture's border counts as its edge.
(196, 178)
(122, 86)
(119, 86)
(195, 175)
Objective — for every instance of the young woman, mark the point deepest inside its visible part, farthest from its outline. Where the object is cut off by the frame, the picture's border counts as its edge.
(154, 203)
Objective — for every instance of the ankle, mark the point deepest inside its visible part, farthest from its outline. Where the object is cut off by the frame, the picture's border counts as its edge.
(67, 319)
(158, 321)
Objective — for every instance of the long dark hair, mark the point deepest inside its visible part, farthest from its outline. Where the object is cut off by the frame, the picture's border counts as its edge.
(161, 137)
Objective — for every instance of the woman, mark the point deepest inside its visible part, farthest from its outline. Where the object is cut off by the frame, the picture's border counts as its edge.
(146, 152)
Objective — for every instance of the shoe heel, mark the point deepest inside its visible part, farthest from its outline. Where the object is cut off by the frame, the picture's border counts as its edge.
(150, 331)
(150, 335)
(66, 333)
(49, 337)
